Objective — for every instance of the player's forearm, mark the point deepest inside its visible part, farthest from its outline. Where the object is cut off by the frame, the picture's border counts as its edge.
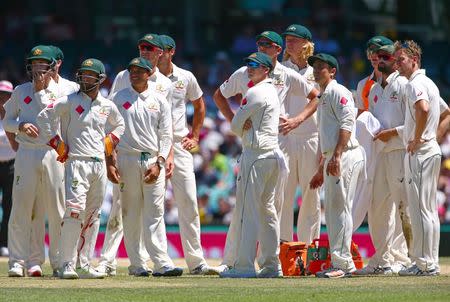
(421, 115)
(223, 105)
(444, 124)
(199, 117)
(12, 140)
(343, 138)
(309, 110)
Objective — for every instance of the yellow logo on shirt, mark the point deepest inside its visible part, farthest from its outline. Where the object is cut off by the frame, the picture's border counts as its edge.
(103, 111)
(160, 88)
(179, 85)
(310, 78)
(277, 81)
(153, 106)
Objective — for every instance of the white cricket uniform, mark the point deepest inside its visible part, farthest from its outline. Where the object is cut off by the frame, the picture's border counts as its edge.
(38, 179)
(389, 192)
(359, 102)
(114, 231)
(258, 175)
(185, 89)
(85, 172)
(287, 82)
(300, 149)
(422, 172)
(336, 111)
(59, 89)
(148, 134)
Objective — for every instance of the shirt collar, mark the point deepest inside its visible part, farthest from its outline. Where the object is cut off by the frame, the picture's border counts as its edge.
(417, 72)
(154, 75)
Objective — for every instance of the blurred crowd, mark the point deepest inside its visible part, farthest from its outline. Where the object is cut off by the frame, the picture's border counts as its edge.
(215, 160)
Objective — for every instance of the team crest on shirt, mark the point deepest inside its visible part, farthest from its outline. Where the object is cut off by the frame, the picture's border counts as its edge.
(277, 81)
(160, 88)
(122, 185)
(310, 78)
(74, 183)
(103, 111)
(179, 84)
(17, 179)
(394, 96)
(153, 106)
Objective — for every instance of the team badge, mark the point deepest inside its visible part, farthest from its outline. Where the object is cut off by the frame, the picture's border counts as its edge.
(103, 111)
(149, 37)
(135, 61)
(394, 96)
(310, 78)
(292, 28)
(88, 63)
(179, 84)
(37, 52)
(153, 106)
(160, 88)
(122, 185)
(74, 183)
(277, 81)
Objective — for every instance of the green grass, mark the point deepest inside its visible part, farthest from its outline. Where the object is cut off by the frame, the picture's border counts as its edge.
(199, 288)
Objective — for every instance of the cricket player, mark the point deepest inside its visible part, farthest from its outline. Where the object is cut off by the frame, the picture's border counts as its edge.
(387, 103)
(142, 154)
(185, 89)
(84, 149)
(344, 161)
(422, 161)
(300, 146)
(38, 179)
(60, 87)
(150, 48)
(256, 122)
(290, 85)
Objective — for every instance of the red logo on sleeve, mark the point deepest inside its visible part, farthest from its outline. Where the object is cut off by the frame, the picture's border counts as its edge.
(27, 100)
(50, 105)
(419, 93)
(244, 102)
(79, 109)
(250, 84)
(343, 101)
(126, 105)
(375, 99)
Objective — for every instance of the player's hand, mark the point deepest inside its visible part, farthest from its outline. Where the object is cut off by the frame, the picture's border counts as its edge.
(384, 135)
(110, 142)
(247, 125)
(151, 175)
(414, 145)
(334, 166)
(40, 80)
(316, 180)
(111, 169)
(189, 143)
(29, 129)
(170, 165)
(288, 124)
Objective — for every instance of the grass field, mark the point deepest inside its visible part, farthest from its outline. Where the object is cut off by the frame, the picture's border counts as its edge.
(202, 288)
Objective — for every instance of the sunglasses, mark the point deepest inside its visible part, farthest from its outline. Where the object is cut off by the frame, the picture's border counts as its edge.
(252, 64)
(264, 44)
(147, 47)
(385, 57)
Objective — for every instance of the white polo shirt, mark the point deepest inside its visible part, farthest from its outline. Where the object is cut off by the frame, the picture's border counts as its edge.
(420, 87)
(87, 122)
(292, 89)
(260, 105)
(336, 111)
(148, 124)
(185, 89)
(388, 106)
(359, 102)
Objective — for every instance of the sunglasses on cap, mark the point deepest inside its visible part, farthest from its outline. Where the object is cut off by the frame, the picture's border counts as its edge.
(147, 47)
(253, 64)
(385, 57)
(264, 44)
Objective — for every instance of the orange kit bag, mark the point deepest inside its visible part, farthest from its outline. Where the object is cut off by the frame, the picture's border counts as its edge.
(293, 258)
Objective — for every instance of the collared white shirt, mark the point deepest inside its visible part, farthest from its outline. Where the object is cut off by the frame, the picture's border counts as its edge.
(388, 105)
(87, 120)
(185, 89)
(420, 87)
(359, 102)
(260, 104)
(157, 81)
(291, 88)
(66, 87)
(336, 111)
(148, 124)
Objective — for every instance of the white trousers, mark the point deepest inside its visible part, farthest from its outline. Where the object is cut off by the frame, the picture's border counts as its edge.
(185, 194)
(339, 194)
(389, 191)
(38, 188)
(301, 155)
(255, 217)
(85, 190)
(422, 172)
(143, 211)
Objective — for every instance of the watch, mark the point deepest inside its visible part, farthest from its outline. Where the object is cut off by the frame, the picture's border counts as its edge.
(161, 162)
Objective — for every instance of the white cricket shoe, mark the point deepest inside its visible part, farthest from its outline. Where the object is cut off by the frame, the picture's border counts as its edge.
(167, 271)
(222, 268)
(88, 272)
(16, 270)
(235, 273)
(416, 271)
(397, 267)
(68, 271)
(334, 273)
(374, 271)
(266, 272)
(35, 271)
(204, 269)
(107, 270)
